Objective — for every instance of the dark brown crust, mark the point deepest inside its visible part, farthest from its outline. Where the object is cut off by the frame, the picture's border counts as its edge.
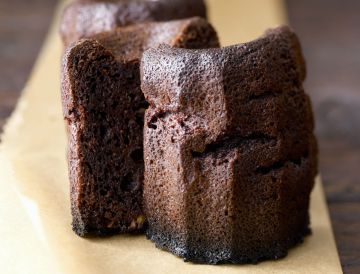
(82, 19)
(103, 106)
(230, 154)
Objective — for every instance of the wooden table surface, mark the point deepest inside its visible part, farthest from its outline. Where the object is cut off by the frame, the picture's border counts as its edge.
(329, 31)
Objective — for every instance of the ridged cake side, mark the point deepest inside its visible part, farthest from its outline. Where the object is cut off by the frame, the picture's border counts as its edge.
(230, 154)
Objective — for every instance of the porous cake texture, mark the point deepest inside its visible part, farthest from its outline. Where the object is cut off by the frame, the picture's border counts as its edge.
(230, 154)
(104, 111)
(82, 19)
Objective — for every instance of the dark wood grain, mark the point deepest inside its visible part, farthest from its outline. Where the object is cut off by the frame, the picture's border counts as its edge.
(330, 35)
(329, 30)
(23, 26)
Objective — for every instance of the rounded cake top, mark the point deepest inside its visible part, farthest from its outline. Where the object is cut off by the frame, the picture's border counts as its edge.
(82, 19)
(271, 63)
(210, 85)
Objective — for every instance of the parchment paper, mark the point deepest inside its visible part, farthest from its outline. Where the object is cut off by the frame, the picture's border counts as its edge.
(36, 235)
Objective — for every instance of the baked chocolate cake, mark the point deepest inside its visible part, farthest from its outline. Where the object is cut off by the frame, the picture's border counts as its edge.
(82, 19)
(104, 109)
(230, 154)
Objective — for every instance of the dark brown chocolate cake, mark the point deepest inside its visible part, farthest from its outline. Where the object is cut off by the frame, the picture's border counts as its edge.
(230, 154)
(104, 108)
(82, 19)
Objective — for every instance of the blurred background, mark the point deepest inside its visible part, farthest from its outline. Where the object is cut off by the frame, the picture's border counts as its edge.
(330, 34)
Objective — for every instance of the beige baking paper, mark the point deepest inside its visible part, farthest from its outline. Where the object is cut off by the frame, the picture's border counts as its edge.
(35, 231)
